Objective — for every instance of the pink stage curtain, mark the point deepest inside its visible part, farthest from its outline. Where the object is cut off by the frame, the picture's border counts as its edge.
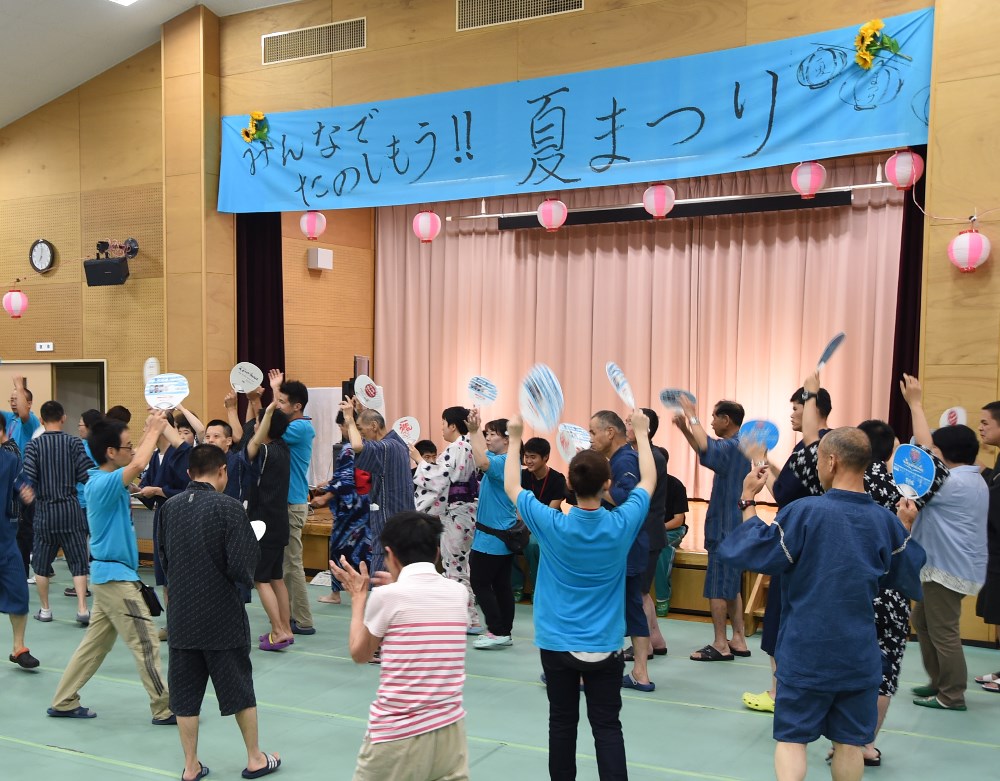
(731, 307)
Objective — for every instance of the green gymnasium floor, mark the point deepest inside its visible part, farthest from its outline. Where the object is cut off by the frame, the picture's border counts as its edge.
(313, 704)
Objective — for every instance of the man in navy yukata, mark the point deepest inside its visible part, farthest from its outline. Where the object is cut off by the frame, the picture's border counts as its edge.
(834, 553)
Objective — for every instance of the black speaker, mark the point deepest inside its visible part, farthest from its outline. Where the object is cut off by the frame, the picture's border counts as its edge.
(106, 271)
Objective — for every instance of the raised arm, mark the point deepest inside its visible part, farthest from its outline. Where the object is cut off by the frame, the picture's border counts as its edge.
(913, 395)
(478, 442)
(253, 403)
(260, 434)
(233, 416)
(155, 425)
(512, 467)
(21, 408)
(357, 442)
(647, 466)
(810, 412)
(196, 425)
(687, 421)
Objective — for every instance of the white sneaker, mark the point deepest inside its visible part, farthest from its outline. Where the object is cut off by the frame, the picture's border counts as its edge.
(490, 640)
(31, 581)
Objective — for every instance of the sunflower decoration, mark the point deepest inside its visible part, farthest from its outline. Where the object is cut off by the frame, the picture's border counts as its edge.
(256, 129)
(871, 40)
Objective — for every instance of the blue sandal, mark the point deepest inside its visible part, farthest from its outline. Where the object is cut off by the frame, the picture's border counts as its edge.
(76, 713)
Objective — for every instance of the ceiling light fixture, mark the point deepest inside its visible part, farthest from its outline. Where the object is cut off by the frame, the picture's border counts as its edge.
(124, 2)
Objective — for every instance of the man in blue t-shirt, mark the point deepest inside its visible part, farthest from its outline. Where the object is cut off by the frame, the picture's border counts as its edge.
(119, 608)
(722, 583)
(291, 397)
(579, 622)
(21, 425)
(834, 552)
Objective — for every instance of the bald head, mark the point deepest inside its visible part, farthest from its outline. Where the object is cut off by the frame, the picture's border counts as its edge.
(370, 417)
(844, 453)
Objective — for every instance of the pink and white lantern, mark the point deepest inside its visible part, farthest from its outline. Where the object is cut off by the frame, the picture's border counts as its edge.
(808, 179)
(312, 225)
(16, 303)
(904, 169)
(967, 251)
(658, 200)
(552, 214)
(426, 226)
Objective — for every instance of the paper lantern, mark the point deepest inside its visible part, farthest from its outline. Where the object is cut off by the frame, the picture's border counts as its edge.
(967, 251)
(552, 214)
(16, 303)
(426, 226)
(312, 225)
(658, 200)
(808, 179)
(904, 169)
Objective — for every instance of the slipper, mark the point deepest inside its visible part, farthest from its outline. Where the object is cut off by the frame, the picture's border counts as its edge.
(273, 763)
(988, 678)
(991, 687)
(201, 773)
(759, 702)
(629, 654)
(76, 713)
(262, 638)
(742, 654)
(267, 644)
(934, 702)
(710, 654)
(628, 682)
(24, 659)
(877, 762)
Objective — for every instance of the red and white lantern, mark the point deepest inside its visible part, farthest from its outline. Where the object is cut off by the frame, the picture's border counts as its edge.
(312, 225)
(808, 179)
(658, 200)
(552, 214)
(967, 251)
(16, 303)
(904, 169)
(426, 226)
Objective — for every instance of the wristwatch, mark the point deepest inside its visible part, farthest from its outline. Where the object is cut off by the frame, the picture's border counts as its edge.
(693, 420)
(806, 395)
(744, 503)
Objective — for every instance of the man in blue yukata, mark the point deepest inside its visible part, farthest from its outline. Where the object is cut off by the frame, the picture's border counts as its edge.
(834, 552)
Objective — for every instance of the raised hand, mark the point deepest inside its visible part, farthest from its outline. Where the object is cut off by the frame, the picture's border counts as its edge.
(909, 386)
(354, 581)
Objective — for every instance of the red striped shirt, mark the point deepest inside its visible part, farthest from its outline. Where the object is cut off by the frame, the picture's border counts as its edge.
(422, 619)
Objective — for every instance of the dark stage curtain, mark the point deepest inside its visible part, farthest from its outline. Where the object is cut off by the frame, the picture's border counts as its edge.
(906, 347)
(260, 314)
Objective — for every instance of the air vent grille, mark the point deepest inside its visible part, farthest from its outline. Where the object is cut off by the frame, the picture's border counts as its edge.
(313, 41)
(473, 14)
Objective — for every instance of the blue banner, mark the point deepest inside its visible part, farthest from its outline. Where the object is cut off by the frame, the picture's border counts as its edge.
(758, 106)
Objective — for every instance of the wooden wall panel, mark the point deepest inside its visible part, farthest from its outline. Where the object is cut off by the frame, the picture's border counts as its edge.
(125, 212)
(55, 218)
(140, 72)
(181, 125)
(969, 29)
(771, 20)
(344, 227)
(239, 35)
(323, 356)
(120, 139)
(184, 223)
(292, 87)
(53, 316)
(40, 153)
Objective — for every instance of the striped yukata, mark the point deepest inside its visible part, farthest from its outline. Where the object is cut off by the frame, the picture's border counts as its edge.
(388, 462)
(724, 457)
(54, 463)
(416, 719)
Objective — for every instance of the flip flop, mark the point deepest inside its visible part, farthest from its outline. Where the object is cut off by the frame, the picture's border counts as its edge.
(201, 773)
(76, 713)
(741, 654)
(710, 654)
(262, 638)
(988, 678)
(991, 687)
(273, 763)
(267, 644)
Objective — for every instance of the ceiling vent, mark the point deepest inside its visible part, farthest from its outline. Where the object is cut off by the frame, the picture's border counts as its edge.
(309, 42)
(473, 14)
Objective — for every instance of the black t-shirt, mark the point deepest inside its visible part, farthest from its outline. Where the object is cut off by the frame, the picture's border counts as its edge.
(267, 493)
(548, 489)
(677, 498)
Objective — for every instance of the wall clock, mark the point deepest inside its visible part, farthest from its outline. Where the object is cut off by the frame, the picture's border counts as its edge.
(42, 256)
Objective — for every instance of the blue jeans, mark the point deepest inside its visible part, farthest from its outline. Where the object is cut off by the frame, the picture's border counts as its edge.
(665, 564)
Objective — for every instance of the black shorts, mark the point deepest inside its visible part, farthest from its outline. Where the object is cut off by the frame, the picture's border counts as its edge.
(635, 617)
(649, 575)
(269, 565)
(231, 674)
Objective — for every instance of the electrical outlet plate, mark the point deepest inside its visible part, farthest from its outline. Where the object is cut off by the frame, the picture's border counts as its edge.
(44, 347)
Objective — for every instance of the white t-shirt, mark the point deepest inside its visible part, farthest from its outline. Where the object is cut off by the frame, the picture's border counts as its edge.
(422, 618)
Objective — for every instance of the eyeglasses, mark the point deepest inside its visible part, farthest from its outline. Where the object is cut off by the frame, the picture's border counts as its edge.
(125, 447)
